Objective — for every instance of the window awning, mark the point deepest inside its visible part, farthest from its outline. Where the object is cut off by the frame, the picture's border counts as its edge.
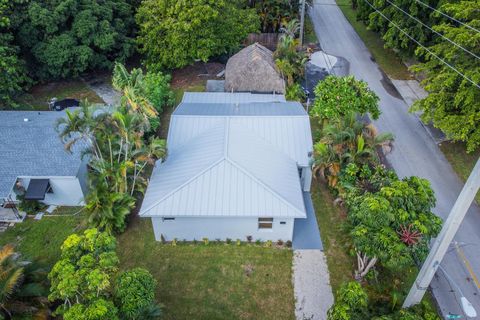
(36, 189)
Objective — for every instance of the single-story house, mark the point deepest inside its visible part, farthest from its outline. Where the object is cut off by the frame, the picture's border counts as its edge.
(35, 163)
(253, 69)
(238, 165)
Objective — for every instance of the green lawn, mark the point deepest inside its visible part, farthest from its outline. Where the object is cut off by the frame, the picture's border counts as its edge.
(37, 98)
(461, 161)
(335, 242)
(41, 239)
(309, 33)
(215, 281)
(386, 58)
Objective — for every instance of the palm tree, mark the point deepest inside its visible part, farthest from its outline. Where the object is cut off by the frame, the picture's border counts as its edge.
(133, 89)
(11, 275)
(347, 141)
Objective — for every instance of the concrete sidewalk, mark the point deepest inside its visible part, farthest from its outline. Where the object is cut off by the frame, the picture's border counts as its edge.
(311, 282)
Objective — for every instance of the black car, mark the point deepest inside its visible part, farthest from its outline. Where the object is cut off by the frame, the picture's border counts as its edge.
(59, 105)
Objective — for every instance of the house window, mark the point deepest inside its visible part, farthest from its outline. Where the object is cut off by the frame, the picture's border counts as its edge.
(168, 219)
(265, 223)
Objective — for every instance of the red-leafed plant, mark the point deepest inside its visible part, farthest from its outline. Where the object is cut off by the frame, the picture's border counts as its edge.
(408, 235)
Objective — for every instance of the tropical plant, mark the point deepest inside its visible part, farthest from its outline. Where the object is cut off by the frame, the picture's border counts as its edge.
(289, 59)
(376, 221)
(336, 97)
(23, 286)
(295, 92)
(83, 276)
(345, 141)
(135, 295)
(351, 302)
(118, 155)
(147, 94)
(274, 13)
(11, 274)
(176, 33)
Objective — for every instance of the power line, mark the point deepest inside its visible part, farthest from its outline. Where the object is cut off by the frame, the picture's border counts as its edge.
(447, 16)
(436, 32)
(421, 45)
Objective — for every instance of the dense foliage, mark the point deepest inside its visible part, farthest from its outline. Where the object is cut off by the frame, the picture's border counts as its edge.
(65, 38)
(13, 72)
(150, 92)
(275, 13)
(135, 294)
(83, 280)
(453, 103)
(392, 10)
(83, 276)
(22, 286)
(176, 33)
(336, 97)
(351, 303)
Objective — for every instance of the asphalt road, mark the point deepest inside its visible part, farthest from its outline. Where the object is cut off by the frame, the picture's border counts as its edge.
(415, 153)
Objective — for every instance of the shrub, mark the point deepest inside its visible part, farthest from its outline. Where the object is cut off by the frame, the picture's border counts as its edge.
(135, 292)
(205, 241)
(228, 241)
(295, 92)
(30, 206)
(249, 239)
(280, 242)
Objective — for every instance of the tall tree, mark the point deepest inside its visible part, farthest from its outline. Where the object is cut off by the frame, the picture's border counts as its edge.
(65, 38)
(453, 103)
(13, 71)
(336, 97)
(174, 33)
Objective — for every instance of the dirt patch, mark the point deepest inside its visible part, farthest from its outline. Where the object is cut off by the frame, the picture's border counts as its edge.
(195, 74)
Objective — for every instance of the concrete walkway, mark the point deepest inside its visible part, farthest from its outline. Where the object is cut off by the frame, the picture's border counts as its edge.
(415, 152)
(311, 280)
(306, 234)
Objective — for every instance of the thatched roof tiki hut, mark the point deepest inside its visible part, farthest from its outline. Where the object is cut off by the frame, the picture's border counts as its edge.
(253, 70)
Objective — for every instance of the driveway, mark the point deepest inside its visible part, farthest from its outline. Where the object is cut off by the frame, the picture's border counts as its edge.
(415, 152)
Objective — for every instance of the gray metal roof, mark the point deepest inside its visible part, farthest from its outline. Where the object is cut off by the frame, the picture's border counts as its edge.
(241, 109)
(32, 148)
(284, 125)
(225, 171)
(227, 163)
(228, 97)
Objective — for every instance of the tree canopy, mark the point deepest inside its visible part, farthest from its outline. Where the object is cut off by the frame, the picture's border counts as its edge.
(336, 97)
(65, 38)
(175, 33)
(453, 103)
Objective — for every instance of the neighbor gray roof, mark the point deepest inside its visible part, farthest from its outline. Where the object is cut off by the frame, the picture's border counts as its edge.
(32, 148)
(253, 69)
(225, 161)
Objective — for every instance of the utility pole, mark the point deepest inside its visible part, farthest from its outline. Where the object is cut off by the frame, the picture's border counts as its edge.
(302, 21)
(442, 242)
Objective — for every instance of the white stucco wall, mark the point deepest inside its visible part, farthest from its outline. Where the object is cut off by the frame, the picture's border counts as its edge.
(67, 191)
(220, 228)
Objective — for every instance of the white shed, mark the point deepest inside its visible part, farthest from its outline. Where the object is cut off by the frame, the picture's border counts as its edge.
(237, 167)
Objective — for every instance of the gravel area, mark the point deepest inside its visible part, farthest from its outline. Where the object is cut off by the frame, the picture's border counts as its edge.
(311, 282)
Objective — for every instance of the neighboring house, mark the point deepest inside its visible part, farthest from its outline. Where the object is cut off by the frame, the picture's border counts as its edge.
(33, 161)
(253, 69)
(238, 165)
